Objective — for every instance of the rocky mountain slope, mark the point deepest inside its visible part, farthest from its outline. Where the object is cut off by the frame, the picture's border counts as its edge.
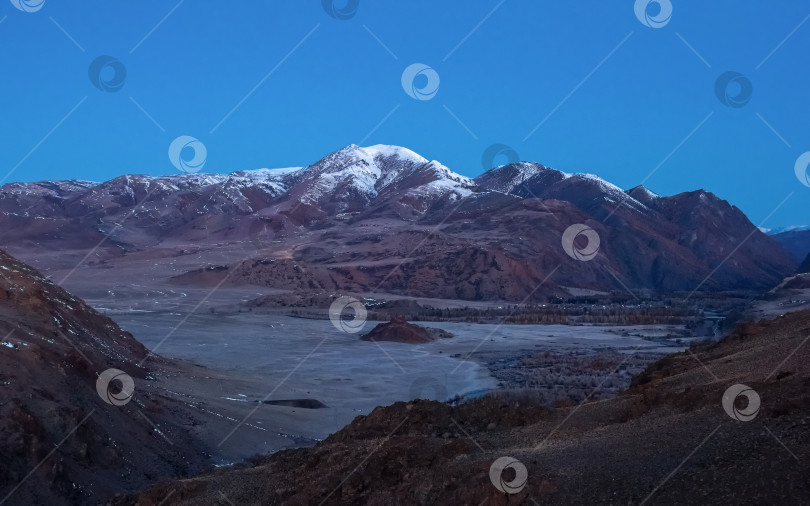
(384, 219)
(805, 265)
(62, 442)
(796, 242)
(724, 423)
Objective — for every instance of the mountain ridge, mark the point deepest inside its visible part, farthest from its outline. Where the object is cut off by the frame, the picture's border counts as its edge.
(494, 237)
(795, 241)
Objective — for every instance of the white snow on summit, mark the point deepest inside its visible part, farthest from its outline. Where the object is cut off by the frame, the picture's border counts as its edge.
(388, 151)
(353, 172)
(369, 170)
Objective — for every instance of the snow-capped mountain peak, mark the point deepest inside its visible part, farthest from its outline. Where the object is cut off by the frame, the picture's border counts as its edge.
(389, 151)
(358, 172)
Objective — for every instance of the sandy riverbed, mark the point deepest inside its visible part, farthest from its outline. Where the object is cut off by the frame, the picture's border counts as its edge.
(251, 358)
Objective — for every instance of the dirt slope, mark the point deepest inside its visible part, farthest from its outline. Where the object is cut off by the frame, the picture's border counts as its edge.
(60, 443)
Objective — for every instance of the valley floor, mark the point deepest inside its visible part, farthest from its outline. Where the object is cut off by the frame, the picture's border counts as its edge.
(261, 383)
(669, 439)
(231, 363)
(247, 359)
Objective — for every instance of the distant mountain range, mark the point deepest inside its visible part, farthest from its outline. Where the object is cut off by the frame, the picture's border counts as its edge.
(383, 219)
(777, 231)
(796, 241)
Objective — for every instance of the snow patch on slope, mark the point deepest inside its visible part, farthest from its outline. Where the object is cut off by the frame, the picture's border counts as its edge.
(446, 181)
(266, 173)
(645, 192)
(794, 228)
(506, 178)
(613, 193)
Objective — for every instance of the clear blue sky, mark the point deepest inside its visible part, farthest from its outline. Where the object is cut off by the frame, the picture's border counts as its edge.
(506, 76)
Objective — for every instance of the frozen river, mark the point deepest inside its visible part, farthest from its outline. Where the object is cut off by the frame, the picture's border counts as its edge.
(293, 358)
(270, 357)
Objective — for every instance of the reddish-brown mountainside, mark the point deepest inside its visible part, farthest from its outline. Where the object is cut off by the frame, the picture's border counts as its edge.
(384, 219)
(61, 443)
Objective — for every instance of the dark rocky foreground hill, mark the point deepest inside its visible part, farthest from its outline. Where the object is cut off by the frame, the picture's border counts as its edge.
(666, 440)
(60, 443)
